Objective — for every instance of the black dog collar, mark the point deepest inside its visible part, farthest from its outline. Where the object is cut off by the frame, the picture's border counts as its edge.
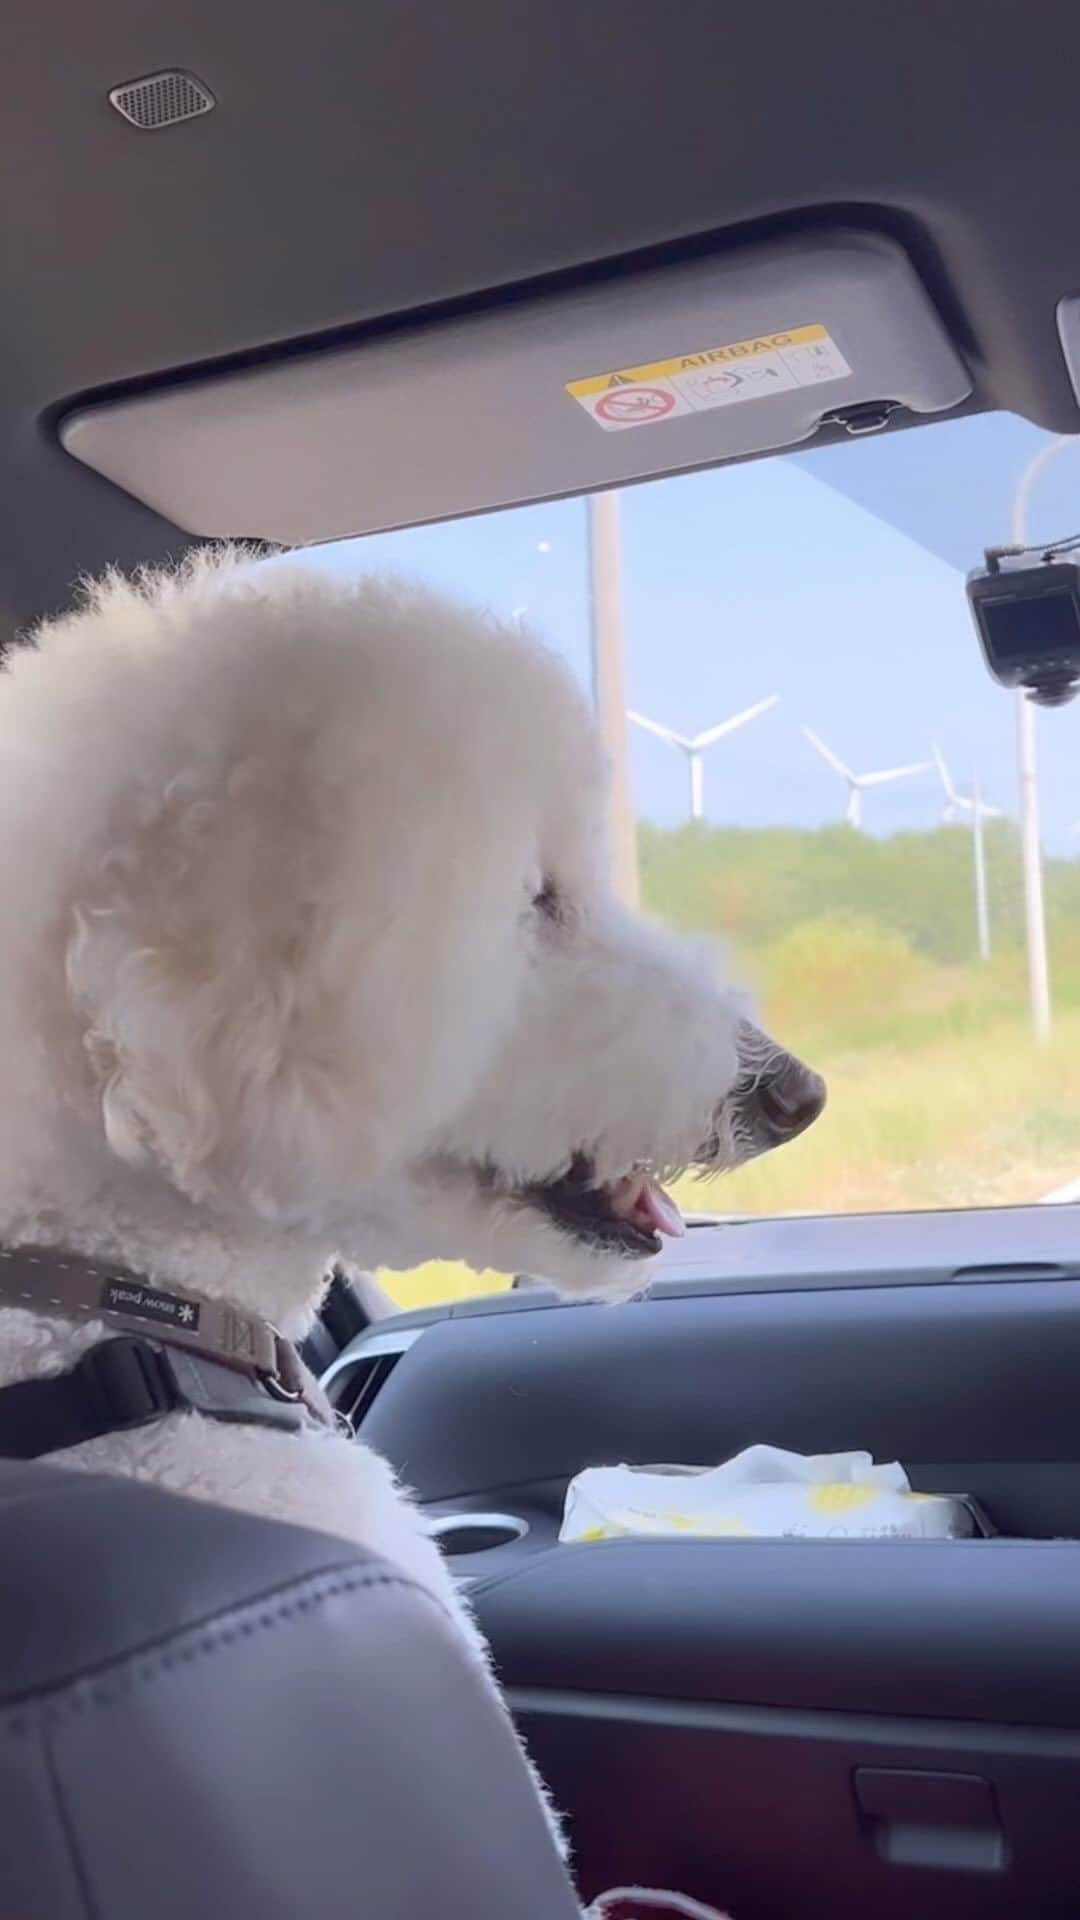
(177, 1352)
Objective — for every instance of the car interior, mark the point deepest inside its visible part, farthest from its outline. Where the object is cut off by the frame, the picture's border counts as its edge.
(305, 274)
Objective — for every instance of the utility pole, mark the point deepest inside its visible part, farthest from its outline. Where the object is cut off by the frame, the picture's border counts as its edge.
(982, 907)
(609, 689)
(1027, 779)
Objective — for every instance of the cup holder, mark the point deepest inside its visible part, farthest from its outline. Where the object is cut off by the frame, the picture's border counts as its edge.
(477, 1532)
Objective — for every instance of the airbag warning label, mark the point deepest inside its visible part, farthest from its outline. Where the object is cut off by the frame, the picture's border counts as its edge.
(714, 377)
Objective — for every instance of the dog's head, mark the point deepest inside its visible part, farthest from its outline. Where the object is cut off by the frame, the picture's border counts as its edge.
(329, 867)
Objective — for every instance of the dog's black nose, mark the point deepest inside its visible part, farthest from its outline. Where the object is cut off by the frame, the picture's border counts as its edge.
(790, 1100)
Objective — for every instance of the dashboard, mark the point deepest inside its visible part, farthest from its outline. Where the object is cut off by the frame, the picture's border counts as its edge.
(897, 1722)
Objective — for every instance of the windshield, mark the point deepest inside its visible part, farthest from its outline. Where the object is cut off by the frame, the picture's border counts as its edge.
(853, 841)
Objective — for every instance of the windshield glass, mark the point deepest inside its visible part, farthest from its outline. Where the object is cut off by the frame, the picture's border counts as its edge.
(854, 842)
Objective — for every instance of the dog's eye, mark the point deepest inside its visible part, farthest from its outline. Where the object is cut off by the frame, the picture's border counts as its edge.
(548, 901)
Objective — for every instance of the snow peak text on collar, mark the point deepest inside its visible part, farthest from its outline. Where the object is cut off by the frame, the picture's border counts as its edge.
(175, 1352)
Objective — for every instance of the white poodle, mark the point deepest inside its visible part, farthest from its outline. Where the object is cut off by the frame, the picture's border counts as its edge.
(308, 949)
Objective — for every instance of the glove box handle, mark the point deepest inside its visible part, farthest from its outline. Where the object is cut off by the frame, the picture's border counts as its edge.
(921, 1819)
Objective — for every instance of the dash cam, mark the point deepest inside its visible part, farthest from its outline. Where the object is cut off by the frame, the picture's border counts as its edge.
(1026, 607)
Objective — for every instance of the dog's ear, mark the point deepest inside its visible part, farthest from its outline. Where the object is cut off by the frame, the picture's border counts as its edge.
(216, 1030)
(202, 1074)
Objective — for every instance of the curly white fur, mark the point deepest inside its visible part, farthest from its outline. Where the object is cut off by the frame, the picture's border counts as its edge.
(275, 985)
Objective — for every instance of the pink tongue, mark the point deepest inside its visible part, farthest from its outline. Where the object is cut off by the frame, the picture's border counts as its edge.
(656, 1209)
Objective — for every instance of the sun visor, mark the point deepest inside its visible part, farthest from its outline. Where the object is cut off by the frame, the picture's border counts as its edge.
(647, 374)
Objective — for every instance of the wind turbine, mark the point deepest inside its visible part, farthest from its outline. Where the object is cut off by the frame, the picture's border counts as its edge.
(694, 746)
(857, 782)
(970, 807)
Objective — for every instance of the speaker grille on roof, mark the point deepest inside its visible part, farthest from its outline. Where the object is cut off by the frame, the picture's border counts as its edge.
(161, 99)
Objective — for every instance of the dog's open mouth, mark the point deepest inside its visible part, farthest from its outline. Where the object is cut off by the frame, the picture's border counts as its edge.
(627, 1217)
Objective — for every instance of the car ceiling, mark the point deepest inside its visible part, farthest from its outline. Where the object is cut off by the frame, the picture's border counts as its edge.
(367, 163)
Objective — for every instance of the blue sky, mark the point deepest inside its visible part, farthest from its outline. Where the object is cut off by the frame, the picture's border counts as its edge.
(834, 578)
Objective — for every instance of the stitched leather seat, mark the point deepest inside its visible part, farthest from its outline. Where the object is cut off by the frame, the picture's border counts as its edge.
(204, 1714)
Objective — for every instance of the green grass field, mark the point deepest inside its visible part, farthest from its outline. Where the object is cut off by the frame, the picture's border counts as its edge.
(938, 1096)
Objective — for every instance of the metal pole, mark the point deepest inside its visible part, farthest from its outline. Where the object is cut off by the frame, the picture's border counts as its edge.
(609, 691)
(982, 910)
(1027, 780)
